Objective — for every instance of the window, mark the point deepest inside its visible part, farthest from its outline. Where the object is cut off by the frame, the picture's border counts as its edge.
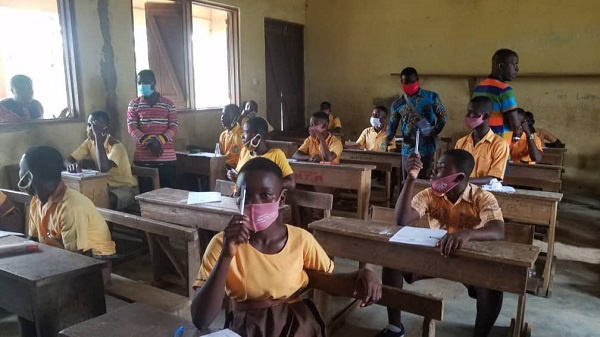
(191, 47)
(36, 40)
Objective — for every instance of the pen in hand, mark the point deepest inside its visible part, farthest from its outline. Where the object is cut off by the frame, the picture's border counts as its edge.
(179, 332)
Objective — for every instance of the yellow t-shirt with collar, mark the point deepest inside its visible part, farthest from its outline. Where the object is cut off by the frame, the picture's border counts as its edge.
(334, 122)
(372, 140)
(490, 154)
(230, 144)
(519, 150)
(275, 155)
(312, 146)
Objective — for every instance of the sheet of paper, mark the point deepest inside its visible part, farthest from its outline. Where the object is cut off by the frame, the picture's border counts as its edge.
(203, 197)
(223, 333)
(83, 173)
(418, 236)
(3, 234)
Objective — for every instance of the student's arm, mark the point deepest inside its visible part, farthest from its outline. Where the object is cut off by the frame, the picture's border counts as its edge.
(207, 301)
(404, 212)
(72, 162)
(532, 144)
(440, 115)
(327, 154)
(104, 164)
(302, 152)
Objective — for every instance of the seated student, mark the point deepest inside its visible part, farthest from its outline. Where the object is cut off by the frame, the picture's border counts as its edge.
(10, 217)
(110, 156)
(320, 145)
(59, 216)
(22, 106)
(489, 150)
(255, 131)
(335, 124)
(230, 141)
(525, 146)
(548, 139)
(249, 110)
(374, 138)
(259, 263)
(466, 211)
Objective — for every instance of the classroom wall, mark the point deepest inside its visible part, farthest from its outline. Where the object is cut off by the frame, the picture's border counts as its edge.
(352, 46)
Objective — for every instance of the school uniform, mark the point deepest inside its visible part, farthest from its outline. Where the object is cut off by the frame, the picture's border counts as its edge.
(490, 153)
(334, 122)
(519, 149)
(312, 146)
(230, 144)
(372, 140)
(255, 280)
(275, 155)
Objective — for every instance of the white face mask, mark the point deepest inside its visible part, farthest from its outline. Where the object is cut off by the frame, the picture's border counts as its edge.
(254, 142)
(25, 182)
(375, 122)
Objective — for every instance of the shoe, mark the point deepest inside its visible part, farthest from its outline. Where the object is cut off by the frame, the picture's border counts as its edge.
(389, 333)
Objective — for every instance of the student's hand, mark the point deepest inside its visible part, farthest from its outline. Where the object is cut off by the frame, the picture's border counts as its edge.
(235, 234)
(315, 159)
(413, 165)
(155, 147)
(100, 131)
(232, 175)
(454, 241)
(368, 287)
(74, 168)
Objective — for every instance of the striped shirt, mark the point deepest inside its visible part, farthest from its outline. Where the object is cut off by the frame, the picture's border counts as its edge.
(504, 100)
(145, 121)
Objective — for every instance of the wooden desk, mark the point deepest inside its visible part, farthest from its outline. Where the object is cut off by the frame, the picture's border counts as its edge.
(553, 156)
(289, 148)
(204, 164)
(52, 288)
(133, 320)
(497, 265)
(354, 177)
(95, 187)
(542, 176)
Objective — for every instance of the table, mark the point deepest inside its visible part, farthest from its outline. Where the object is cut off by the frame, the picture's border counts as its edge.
(95, 187)
(354, 177)
(133, 320)
(53, 288)
(553, 156)
(497, 265)
(289, 148)
(546, 177)
(204, 164)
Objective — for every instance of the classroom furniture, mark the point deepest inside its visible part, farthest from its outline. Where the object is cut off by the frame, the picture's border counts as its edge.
(297, 136)
(134, 320)
(315, 200)
(553, 156)
(147, 172)
(497, 265)
(95, 186)
(225, 187)
(203, 164)
(52, 288)
(540, 176)
(347, 176)
(21, 200)
(289, 148)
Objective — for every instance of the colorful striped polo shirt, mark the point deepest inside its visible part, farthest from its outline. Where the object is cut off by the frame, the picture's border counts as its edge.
(145, 121)
(504, 100)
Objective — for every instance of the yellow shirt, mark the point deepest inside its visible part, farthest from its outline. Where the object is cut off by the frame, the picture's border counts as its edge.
(253, 275)
(230, 144)
(311, 146)
(115, 151)
(519, 150)
(275, 155)
(6, 206)
(374, 141)
(70, 217)
(490, 153)
(334, 122)
(473, 209)
(245, 119)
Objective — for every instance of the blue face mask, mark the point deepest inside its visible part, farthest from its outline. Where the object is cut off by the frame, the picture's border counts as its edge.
(145, 89)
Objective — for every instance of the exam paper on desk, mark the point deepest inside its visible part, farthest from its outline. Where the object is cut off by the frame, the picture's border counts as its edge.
(418, 236)
(223, 333)
(203, 197)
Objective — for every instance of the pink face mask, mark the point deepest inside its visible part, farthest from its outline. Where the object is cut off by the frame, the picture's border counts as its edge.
(411, 89)
(473, 122)
(444, 185)
(262, 216)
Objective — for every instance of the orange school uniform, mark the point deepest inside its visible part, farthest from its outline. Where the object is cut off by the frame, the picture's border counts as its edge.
(230, 144)
(519, 150)
(312, 146)
(490, 154)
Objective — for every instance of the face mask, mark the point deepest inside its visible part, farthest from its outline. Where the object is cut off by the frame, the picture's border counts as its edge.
(411, 89)
(233, 122)
(254, 142)
(145, 89)
(25, 182)
(444, 185)
(375, 122)
(262, 216)
(473, 122)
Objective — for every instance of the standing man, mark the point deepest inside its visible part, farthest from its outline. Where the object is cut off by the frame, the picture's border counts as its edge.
(505, 66)
(152, 123)
(417, 109)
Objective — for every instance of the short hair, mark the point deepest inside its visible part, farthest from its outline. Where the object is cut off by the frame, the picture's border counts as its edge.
(409, 71)
(44, 162)
(381, 108)
(233, 108)
(483, 102)
(320, 115)
(325, 105)
(258, 124)
(20, 81)
(262, 164)
(529, 114)
(253, 105)
(149, 73)
(100, 114)
(502, 54)
(463, 160)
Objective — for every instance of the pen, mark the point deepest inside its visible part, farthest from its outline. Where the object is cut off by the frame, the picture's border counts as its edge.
(243, 199)
(21, 247)
(417, 141)
(179, 332)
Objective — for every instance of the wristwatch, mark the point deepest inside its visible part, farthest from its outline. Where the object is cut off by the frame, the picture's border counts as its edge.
(530, 136)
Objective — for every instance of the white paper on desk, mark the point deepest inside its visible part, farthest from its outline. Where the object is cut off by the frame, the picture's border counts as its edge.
(495, 185)
(222, 333)
(83, 173)
(203, 197)
(418, 236)
(4, 233)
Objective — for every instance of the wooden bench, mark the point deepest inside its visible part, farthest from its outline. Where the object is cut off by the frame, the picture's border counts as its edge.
(538, 176)
(553, 156)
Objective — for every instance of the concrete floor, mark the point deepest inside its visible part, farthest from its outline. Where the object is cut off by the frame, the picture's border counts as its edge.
(572, 310)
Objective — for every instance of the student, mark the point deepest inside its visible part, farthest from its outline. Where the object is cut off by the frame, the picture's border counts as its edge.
(260, 263)
(335, 124)
(21, 107)
(110, 156)
(525, 146)
(491, 152)
(548, 139)
(505, 66)
(320, 145)
(466, 211)
(417, 109)
(255, 131)
(10, 217)
(374, 137)
(152, 123)
(250, 110)
(230, 141)
(59, 216)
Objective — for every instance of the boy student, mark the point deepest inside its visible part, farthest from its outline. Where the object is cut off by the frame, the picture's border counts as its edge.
(320, 145)
(255, 131)
(110, 156)
(490, 150)
(466, 211)
(505, 66)
(548, 139)
(230, 141)
(152, 123)
(335, 124)
(525, 147)
(417, 109)
(10, 217)
(259, 263)
(374, 137)
(249, 110)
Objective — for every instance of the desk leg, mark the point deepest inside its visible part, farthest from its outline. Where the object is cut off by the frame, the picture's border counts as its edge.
(388, 187)
(364, 194)
(518, 323)
(550, 254)
(193, 263)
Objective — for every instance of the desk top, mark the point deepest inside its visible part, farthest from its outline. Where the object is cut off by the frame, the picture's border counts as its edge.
(536, 166)
(201, 154)
(178, 198)
(376, 153)
(345, 167)
(47, 265)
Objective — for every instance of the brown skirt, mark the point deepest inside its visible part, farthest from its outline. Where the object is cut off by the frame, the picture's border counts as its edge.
(298, 319)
